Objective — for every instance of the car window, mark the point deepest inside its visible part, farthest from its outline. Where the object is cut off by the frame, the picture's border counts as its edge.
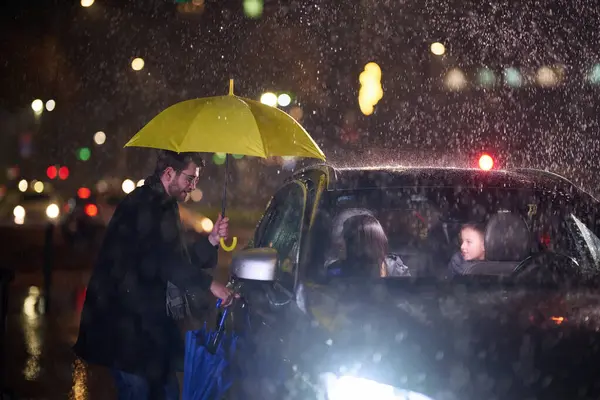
(421, 229)
(592, 243)
(281, 229)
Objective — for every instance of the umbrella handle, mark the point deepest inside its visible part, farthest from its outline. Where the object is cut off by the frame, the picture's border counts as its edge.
(229, 247)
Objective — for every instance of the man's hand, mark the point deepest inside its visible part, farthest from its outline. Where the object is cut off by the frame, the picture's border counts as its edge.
(222, 292)
(220, 230)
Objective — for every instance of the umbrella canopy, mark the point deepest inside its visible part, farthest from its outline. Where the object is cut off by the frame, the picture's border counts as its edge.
(227, 124)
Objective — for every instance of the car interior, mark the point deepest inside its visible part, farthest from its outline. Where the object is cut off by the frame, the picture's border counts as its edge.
(423, 230)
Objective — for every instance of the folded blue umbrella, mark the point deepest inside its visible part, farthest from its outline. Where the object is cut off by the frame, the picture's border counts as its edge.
(207, 372)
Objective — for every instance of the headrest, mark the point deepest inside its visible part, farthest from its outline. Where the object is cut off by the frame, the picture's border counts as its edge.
(507, 238)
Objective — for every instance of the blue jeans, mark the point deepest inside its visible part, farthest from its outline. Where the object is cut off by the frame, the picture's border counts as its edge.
(135, 387)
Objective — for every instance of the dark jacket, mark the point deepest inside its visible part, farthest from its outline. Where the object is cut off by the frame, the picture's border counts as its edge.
(124, 323)
(458, 265)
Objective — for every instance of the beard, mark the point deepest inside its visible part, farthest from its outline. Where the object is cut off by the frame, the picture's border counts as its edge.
(176, 192)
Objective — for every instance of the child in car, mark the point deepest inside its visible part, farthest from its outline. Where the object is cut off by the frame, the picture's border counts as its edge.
(472, 248)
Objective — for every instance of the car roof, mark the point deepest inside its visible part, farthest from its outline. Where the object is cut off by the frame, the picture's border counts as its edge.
(383, 177)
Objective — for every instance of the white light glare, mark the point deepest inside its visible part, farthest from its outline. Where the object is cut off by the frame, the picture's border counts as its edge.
(99, 138)
(137, 64)
(19, 212)
(437, 48)
(37, 106)
(52, 211)
(128, 186)
(269, 99)
(23, 185)
(284, 100)
(50, 105)
(354, 388)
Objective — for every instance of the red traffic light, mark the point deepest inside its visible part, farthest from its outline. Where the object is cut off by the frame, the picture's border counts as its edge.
(63, 173)
(51, 172)
(84, 193)
(486, 162)
(91, 210)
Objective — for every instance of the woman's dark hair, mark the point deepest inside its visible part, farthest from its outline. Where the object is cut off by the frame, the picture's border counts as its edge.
(365, 239)
(177, 161)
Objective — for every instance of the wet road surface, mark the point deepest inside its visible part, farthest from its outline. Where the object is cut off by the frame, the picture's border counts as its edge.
(39, 360)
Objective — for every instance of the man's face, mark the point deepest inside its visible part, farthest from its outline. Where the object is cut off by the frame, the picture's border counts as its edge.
(180, 185)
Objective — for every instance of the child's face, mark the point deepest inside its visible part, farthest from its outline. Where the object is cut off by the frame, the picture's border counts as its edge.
(472, 244)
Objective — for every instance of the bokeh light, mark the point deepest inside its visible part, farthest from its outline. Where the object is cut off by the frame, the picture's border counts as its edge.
(84, 193)
(99, 138)
(594, 75)
(370, 88)
(63, 173)
(23, 185)
(140, 182)
(51, 172)
(296, 113)
(128, 186)
(546, 77)
(253, 8)
(102, 186)
(38, 187)
(455, 79)
(269, 99)
(437, 48)
(207, 225)
(219, 158)
(87, 3)
(37, 106)
(513, 77)
(196, 195)
(84, 154)
(19, 212)
(284, 100)
(52, 211)
(137, 64)
(486, 77)
(50, 105)
(486, 162)
(91, 210)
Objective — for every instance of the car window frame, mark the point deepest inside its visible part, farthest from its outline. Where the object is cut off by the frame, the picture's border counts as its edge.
(276, 201)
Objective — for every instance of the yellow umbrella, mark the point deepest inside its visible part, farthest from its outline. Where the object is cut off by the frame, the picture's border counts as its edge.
(227, 124)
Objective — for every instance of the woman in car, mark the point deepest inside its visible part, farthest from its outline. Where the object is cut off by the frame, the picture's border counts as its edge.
(472, 248)
(367, 251)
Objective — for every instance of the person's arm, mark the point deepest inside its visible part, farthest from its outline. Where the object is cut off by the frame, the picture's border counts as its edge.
(203, 253)
(163, 248)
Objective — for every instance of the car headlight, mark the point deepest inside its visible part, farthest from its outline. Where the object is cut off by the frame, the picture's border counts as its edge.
(52, 211)
(355, 388)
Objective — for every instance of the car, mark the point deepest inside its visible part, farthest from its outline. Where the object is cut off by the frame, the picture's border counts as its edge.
(523, 323)
(30, 208)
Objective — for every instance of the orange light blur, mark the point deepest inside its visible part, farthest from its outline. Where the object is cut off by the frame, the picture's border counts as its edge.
(558, 320)
(91, 210)
(84, 193)
(486, 162)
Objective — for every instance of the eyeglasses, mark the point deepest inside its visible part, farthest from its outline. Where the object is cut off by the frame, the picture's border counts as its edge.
(190, 179)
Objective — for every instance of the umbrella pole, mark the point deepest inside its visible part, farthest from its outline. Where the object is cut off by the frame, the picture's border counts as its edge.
(224, 199)
(223, 205)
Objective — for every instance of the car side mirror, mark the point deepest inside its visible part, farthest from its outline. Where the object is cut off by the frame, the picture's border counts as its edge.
(255, 264)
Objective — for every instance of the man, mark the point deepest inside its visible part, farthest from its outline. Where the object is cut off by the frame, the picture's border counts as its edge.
(124, 324)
